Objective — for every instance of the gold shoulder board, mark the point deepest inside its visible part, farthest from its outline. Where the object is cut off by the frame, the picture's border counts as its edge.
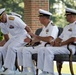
(11, 18)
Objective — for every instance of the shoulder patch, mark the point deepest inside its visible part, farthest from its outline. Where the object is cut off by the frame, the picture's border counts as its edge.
(11, 18)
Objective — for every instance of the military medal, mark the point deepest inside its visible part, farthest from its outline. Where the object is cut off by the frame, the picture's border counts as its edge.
(47, 31)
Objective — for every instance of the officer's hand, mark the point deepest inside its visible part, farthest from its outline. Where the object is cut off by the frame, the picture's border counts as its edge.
(58, 44)
(27, 39)
(52, 43)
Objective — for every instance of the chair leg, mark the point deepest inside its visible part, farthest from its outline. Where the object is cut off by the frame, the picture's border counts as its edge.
(71, 68)
(71, 65)
(36, 71)
(70, 60)
(59, 66)
(16, 64)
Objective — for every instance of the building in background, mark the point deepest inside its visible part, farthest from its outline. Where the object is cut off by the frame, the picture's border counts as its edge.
(31, 8)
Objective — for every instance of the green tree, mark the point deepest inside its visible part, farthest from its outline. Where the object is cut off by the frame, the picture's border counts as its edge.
(12, 6)
(57, 8)
(1, 36)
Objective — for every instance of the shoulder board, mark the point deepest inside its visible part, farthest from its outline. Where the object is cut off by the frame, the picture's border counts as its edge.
(11, 18)
(52, 24)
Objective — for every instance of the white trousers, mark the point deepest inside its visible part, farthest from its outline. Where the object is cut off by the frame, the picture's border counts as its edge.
(3, 51)
(46, 56)
(25, 56)
(13, 45)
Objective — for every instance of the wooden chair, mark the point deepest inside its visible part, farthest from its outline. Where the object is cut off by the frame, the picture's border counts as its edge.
(59, 58)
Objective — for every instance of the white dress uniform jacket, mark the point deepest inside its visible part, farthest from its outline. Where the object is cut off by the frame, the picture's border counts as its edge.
(46, 55)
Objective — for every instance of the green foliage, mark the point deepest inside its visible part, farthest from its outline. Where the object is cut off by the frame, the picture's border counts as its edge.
(1, 36)
(70, 3)
(55, 6)
(12, 6)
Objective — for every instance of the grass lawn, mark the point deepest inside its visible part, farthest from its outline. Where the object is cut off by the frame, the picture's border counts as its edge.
(65, 67)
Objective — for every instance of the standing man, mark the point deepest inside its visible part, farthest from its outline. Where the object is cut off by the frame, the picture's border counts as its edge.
(49, 32)
(19, 30)
(46, 55)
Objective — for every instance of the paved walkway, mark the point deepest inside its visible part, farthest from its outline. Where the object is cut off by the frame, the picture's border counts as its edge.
(57, 73)
(62, 74)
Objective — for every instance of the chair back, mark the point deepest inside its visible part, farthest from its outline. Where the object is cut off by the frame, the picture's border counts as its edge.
(37, 32)
(60, 30)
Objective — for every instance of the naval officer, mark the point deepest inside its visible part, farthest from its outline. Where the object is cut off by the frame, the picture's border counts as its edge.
(46, 55)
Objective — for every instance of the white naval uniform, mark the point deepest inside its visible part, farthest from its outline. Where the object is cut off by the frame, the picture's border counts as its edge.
(16, 27)
(46, 55)
(27, 52)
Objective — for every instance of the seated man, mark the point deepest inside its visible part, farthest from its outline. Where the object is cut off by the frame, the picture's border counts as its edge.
(48, 33)
(46, 55)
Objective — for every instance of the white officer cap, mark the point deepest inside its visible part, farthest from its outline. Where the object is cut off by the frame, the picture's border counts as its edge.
(2, 10)
(44, 13)
(70, 11)
(15, 14)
